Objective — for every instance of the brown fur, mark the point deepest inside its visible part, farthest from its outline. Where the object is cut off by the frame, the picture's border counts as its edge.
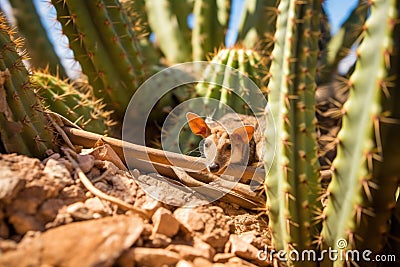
(231, 131)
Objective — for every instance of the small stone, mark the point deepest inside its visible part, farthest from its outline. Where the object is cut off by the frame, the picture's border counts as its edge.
(155, 257)
(191, 219)
(165, 223)
(79, 211)
(97, 206)
(200, 249)
(135, 173)
(201, 262)
(207, 222)
(223, 257)
(59, 172)
(245, 250)
(183, 263)
(86, 162)
(160, 240)
(55, 156)
(50, 208)
(150, 205)
(23, 223)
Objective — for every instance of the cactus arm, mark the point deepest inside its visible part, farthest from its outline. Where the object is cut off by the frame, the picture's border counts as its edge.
(291, 184)
(210, 25)
(74, 102)
(351, 193)
(340, 44)
(258, 20)
(41, 50)
(164, 24)
(105, 45)
(24, 128)
(137, 15)
(182, 9)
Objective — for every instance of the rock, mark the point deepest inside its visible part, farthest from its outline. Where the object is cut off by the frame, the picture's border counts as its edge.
(159, 240)
(79, 211)
(86, 162)
(89, 243)
(150, 205)
(207, 222)
(201, 262)
(54, 156)
(59, 172)
(238, 262)
(135, 173)
(10, 183)
(155, 257)
(223, 257)
(183, 263)
(49, 209)
(164, 223)
(23, 223)
(245, 250)
(199, 249)
(95, 205)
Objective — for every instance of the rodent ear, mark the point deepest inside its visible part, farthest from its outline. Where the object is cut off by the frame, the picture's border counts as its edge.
(244, 134)
(198, 125)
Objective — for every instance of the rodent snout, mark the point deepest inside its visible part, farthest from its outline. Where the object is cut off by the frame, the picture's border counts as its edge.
(213, 167)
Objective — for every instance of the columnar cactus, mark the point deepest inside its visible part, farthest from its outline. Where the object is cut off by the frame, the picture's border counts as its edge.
(74, 101)
(362, 192)
(292, 182)
(41, 50)
(168, 20)
(211, 18)
(258, 22)
(24, 127)
(106, 47)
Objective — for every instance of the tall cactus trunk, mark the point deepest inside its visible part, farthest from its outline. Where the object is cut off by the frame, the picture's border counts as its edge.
(24, 128)
(292, 183)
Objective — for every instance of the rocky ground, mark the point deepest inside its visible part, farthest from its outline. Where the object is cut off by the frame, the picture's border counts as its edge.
(48, 217)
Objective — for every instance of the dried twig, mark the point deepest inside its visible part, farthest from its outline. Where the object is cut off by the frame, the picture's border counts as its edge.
(133, 151)
(89, 186)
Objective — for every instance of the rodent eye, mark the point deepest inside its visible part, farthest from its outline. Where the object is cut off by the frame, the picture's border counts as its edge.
(207, 143)
(229, 147)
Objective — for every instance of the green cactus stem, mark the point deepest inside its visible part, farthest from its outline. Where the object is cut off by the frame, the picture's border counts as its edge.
(211, 20)
(292, 185)
(105, 45)
(41, 50)
(24, 128)
(341, 43)
(258, 21)
(74, 101)
(169, 24)
(362, 192)
(136, 10)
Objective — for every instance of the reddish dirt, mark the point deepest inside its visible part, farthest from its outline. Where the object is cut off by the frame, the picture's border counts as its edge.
(48, 218)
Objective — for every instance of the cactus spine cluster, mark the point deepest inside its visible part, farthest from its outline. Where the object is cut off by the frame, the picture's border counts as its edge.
(106, 47)
(24, 127)
(74, 101)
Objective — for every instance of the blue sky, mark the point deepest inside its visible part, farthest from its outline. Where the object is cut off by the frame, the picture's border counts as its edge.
(337, 11)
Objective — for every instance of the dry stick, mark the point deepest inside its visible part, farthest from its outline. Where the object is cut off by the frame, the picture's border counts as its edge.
(129, 150)
(89, 186)
(239, 194)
